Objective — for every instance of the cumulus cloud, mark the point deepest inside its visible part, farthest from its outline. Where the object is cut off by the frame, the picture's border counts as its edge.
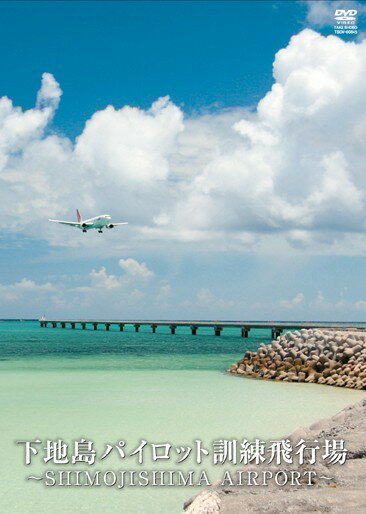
(101, 279)
(25, 288)
(50, 93)
(290, 171)
(129, 144)
(135, 269)
(99, 292)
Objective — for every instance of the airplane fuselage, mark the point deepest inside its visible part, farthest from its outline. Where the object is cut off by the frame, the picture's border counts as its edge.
(99, 222)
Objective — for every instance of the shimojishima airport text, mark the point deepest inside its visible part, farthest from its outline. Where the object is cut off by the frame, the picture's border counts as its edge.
(120, 479)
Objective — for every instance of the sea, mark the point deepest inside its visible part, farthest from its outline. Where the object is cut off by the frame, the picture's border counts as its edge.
(101, 396)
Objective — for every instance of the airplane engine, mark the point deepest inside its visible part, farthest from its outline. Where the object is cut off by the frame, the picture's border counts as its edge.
(84, 225)
(110, 225)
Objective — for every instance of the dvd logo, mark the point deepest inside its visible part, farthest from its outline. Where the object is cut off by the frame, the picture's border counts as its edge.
(345, 14)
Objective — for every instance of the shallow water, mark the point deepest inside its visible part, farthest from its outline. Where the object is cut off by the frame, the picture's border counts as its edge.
(115, 386)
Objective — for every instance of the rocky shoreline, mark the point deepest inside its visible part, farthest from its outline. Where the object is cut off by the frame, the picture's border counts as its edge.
(345, 493)
(330, 357)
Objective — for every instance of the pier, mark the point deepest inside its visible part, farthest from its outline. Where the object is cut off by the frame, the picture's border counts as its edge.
(276, 327)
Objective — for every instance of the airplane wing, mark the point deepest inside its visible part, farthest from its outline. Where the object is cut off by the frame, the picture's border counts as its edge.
(124, 223)
(72, 223)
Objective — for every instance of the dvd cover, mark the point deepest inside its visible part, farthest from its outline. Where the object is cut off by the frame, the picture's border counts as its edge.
(182, 308)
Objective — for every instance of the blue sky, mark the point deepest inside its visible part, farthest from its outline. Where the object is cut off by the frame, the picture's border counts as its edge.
(243, 201)
(202, 54)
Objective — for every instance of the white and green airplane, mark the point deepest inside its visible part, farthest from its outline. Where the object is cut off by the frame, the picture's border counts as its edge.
(98, 222)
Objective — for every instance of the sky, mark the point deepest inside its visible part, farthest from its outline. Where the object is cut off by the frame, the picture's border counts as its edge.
(230, 135)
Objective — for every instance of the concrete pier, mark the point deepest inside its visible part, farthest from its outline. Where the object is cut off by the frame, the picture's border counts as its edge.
(218, 331)
(245, 332)
(244, 327)
(276, 332)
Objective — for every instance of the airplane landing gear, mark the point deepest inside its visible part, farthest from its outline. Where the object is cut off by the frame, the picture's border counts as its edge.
(100, 231)
(84, 230)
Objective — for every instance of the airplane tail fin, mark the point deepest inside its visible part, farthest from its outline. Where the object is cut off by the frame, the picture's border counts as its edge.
(80, 219)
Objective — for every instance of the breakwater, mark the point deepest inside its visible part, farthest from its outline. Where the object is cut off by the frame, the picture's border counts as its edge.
(331, 357)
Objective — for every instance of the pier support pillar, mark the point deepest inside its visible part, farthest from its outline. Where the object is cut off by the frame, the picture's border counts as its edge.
(276, 332)
(193, 330)
(153, 328)
(45, 324)
(244, 332)
(218, 331)
(107, 326)
(121, 327)
(95, 326)
(172, 329)
(72, 325)
(137, 327)
(83, 326)
(63, 324)
(54, 324)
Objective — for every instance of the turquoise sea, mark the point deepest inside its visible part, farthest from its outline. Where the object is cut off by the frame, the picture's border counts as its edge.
(110, 386)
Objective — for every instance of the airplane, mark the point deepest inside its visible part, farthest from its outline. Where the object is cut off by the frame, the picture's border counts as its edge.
(98, 222)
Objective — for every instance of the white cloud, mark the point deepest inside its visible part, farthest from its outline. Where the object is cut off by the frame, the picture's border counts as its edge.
(99, 292)
(129, 145)
(50, 93)
(101, 279)
(288, 174)
(205, 298)
(295, 302)
(135, 269)
(321, 303)
(165, 290)
(25, 288)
